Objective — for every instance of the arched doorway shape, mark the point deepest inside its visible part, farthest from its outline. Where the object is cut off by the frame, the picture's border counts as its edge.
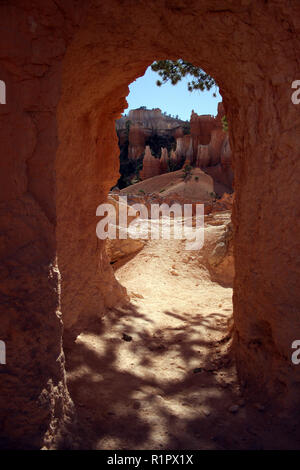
(81, 62)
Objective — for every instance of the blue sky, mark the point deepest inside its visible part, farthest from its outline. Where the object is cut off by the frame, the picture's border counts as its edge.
(169, 98)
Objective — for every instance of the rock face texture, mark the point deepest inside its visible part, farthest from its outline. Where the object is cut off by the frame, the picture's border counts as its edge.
(164, 161)
(203, 158)
(67, 67)
(219, 251)
(142, 124)
(34, 401)
(173, 157)
(120, 247)
(201, 128)
(207, 147)
(184, 147)
(151, 165)
(153, 119)
(137, 138)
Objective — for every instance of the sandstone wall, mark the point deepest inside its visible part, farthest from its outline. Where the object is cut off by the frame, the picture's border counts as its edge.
(55, 51)
(34, 401)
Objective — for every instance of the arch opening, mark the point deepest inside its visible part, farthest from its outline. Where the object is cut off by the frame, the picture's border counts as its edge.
(173, 336)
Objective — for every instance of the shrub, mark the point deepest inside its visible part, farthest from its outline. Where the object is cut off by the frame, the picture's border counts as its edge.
(187, 172)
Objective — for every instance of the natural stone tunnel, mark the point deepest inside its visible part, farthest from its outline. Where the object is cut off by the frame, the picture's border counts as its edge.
(67, 66)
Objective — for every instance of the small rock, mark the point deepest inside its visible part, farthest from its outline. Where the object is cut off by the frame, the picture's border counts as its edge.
(138, 296)
(206, 412)
(126, 337)
(233, 408)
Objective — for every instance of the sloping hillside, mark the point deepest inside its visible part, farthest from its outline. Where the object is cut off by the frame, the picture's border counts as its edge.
(197, 187)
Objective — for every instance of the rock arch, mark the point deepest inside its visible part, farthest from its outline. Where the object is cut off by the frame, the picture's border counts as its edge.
(67, 72)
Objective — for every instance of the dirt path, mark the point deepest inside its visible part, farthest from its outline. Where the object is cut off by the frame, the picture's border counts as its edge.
(158, 374)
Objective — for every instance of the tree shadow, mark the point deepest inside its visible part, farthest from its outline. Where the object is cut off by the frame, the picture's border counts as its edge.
(167, 388)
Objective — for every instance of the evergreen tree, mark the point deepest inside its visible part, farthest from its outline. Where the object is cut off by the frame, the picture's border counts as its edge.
(175, 70)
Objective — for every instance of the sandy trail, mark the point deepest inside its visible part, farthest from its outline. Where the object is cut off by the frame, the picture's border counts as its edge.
(158, 374)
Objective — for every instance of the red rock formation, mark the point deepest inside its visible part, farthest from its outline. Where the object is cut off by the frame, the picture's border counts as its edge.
(178, 132)
(164, 161)
(151, 165)
(215, 146)
(151, 119)
(201, 128)
(184, 147)
(218, 255)
(122, 137)
(222, 176)
(221, 113)
(137, 138)
(174, 160)
(226, 153)
(203, 158)
(207, 146)
(60, 157)
(145, 115)
(142, 124)
(204, 128)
